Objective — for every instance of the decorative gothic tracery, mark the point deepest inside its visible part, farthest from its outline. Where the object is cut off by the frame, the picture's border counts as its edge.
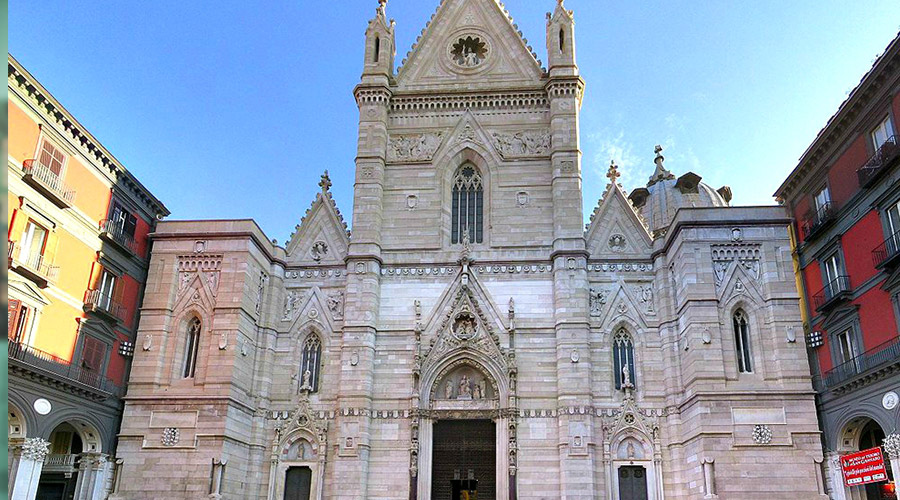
(623, 355)
(310, 363)
(467, 205)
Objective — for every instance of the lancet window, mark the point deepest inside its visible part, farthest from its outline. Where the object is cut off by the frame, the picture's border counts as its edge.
(467, 205)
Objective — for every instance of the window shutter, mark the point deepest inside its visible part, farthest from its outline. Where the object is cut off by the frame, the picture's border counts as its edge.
(130, 224)
(52, 157)
(92, 353)
(12, 319)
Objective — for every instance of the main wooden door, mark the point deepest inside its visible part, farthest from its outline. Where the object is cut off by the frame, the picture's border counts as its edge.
(632, 483)
(461, 447)
(297, 483)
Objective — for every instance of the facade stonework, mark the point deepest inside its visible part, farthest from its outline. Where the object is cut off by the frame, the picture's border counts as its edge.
(471, 311)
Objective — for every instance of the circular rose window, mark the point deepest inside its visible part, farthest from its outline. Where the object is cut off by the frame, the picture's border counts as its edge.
(468, 51)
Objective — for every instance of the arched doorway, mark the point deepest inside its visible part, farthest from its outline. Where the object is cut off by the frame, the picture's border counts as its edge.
(863, 433)
(59, 474)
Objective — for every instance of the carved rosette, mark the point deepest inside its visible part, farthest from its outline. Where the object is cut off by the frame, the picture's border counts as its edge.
(891, 445)
(762, 434)
(35, 449)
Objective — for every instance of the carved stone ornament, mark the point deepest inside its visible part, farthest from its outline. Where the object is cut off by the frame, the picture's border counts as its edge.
(762, 434)
(170, 436)
(35, 449)
(617, 243)
(318, 250)
(412, 201)
(223, 341)
(891, 445)
(469, 51)
(522, 199)
(526, 143)
(598, 299)
(465, 325)
(303, 418)
(336, 304)
(417, 147)
(148, 342)
(290, 305)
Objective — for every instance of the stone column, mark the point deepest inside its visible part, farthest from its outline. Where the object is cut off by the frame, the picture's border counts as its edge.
(835, 476)
(93, 478)
(891, 446)
(28, 470)
(709, 479)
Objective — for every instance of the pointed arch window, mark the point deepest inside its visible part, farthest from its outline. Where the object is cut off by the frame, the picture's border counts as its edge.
(562, 40)
(467, 205)
(623, 355)
(377, 50)
(742, 341)
(311, 361)
(191, 348)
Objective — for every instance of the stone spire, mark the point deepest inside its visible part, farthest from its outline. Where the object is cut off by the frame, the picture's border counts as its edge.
(613, 173)
(379, 11)
(661, 173)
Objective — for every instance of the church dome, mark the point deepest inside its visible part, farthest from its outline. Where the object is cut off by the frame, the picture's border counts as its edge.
(665, 194)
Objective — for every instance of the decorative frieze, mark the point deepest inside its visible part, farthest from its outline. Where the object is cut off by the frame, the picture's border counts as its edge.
(521, 144)
(613, 267)
(747, 255)
(414, 147)
(315, 273)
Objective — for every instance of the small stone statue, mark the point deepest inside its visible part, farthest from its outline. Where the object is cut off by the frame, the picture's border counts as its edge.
(307, 381)
(465, 389)
(476, 392)
(626, 378)
(448, 390)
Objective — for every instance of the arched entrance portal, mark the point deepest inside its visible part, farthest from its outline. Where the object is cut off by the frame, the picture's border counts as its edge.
(863, 433)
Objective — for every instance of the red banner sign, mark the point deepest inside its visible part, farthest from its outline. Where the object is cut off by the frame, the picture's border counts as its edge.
(864, 467)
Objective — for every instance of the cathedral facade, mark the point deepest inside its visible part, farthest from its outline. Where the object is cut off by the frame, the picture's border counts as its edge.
(471, 334)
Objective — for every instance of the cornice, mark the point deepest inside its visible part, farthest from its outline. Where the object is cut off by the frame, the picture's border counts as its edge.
(19, 77)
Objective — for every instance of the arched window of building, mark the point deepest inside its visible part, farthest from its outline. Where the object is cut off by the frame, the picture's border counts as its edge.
(311, 362)
(192, 346)
(377, 50)
(623, 355)
(467, 205)
(742, 341)
(562, 40)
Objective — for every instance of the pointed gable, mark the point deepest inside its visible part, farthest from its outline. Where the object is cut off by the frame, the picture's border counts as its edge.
(616, 230)
(321, 236)
(468, 42)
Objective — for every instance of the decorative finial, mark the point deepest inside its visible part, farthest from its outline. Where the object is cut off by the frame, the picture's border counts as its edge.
(381, 6)
(613, 172)
(325, 182)
(660, 173)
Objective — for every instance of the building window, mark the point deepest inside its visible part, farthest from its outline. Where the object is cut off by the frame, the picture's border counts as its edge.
(93, 353)
(124, 222)
(833, 270)
(823, 202)
(17, 320)
(846, 350)
(742, 341)
(880, 134)
(33, 241)
(468, 205)
(623, 355)
(51, 157)
(312, 354)
(375, 53)
(107, 289)
(192, 346)
(892, 221)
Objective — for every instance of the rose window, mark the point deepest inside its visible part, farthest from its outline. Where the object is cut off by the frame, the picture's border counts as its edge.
(469, 51)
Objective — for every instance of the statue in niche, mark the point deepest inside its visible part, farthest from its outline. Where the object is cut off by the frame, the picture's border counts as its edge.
(477, 392)
(464, 327)
(307, 381)
(626, 377)
(448, 390)
(630, 451)
(465, 389)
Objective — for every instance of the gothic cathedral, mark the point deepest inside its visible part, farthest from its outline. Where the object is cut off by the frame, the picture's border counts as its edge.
(471, 338)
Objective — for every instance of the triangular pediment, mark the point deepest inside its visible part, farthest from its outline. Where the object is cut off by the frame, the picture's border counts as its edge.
(321, 237)
(616, 230)
(26, 291)
(310, 307)
(497, 52)
(739, 283)
(622, 303)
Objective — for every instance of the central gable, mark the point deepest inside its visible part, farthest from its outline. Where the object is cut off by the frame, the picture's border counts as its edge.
(469, 42)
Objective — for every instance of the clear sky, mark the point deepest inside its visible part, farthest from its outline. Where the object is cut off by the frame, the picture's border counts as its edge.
(233, 109)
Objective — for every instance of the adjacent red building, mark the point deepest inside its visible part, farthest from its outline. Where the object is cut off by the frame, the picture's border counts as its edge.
(845, 198)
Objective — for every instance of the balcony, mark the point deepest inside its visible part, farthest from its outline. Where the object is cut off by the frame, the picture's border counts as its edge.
(887, 254)
(880, 162)
(819, 220)
(59, 463)
(41, 365)
(834, 293)
(112, 231)
(47, 181)
(868, 364)
(32, 265)
(103, 305)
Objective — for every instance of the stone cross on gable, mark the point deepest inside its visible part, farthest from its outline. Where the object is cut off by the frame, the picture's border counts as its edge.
(325, 182)
(613, 172)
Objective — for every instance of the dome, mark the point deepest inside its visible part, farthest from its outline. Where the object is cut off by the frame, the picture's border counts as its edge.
(665, 194)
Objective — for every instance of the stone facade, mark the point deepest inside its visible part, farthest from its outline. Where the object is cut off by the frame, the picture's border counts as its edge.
(422, 319)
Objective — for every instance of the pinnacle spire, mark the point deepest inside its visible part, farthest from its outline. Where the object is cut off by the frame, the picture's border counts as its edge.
(660, 174)
(325, 182)
(613, 173)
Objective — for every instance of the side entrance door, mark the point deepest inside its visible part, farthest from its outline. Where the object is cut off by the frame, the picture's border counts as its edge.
(632, 483)
(297, 483)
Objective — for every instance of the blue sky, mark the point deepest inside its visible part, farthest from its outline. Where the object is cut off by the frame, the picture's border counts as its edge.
(229, 110)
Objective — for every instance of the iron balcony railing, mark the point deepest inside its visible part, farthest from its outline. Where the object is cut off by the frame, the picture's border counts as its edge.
(56, 462)
(888, 252)
(33, 263)
(818, 219)
(101, 302)
(879, 162)
(835, 290)
(62, 368)
(113, 231)
(877, 357)
(49, 181)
